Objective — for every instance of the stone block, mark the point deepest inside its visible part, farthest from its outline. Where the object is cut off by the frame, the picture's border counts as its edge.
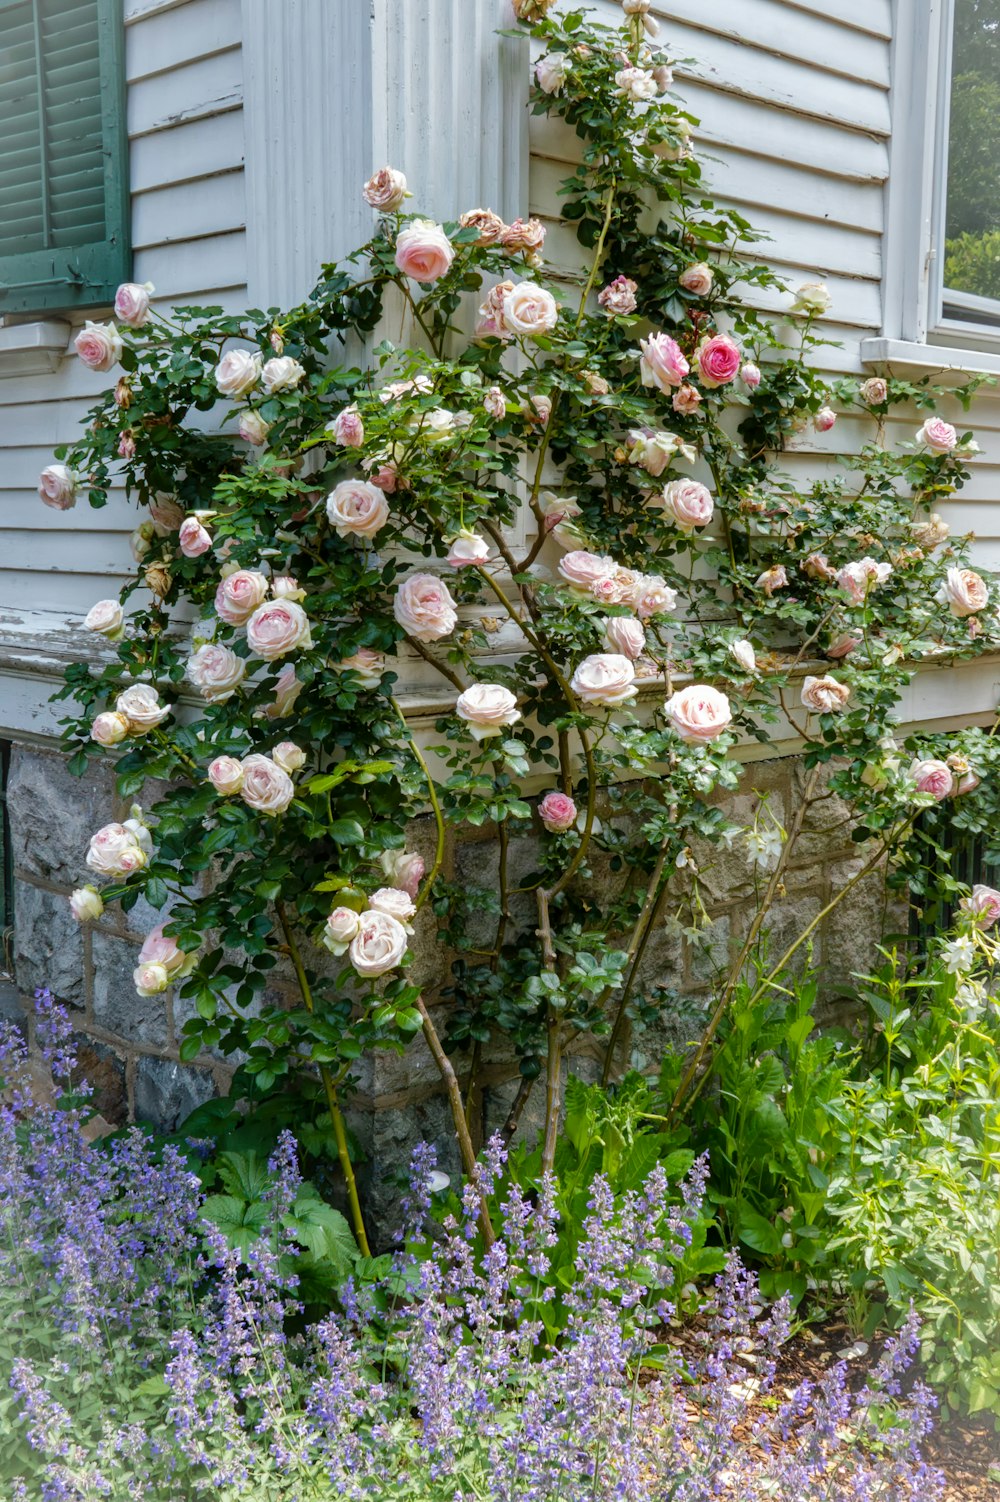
(53, 814)
(166, 1092)
(708, 954)
(117, 1007)
(855, 927)
(786, 921)
(104, 1071)
(677, 1024)
(48, 944)
(12, 1007)
(662, 962)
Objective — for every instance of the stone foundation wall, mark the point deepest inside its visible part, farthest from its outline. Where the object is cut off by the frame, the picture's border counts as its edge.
(129, 1045)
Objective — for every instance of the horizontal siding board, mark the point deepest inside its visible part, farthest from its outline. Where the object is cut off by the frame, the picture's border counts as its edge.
(197, 149)
(181, 272)
(198, 89)
(874, 16)
(163, 42)
(71, 593)
(59, 552)
(817, 40)
(189, 211)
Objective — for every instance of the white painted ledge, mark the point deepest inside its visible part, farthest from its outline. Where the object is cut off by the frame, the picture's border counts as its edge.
(931, 357)
(33, 348)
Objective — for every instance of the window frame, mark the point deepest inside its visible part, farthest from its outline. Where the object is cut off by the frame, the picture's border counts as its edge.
(84, 276)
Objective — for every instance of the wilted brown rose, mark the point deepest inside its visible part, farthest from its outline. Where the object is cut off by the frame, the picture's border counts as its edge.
(157, 577)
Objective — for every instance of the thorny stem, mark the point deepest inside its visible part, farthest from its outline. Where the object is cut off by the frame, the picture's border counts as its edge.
(336, 1115)
(636, 949)
(443, 668)
(465, 1146)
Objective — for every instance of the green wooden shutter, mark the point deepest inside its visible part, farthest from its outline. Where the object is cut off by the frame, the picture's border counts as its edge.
(64, 200)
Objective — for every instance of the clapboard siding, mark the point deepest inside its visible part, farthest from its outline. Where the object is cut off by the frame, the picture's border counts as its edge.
(185, 123)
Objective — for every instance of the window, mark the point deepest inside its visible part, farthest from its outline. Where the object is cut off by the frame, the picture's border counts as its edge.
(63, 168)
(971, 208)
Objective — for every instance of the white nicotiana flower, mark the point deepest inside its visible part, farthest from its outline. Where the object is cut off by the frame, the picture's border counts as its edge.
(764, 846)
(959, 954)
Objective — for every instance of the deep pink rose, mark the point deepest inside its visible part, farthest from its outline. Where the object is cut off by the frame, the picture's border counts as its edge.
(557, 812)
(719, 360)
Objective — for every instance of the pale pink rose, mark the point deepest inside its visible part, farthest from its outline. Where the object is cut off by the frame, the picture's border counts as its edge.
(653, 596)
(117, 850)
(491, 323)
(930, 533)
(824, 695)
(843, 644)
(812, 299)
(613, 589)
(418, 385)
(468, 550)
(266, 788)
(557, 812)
(286, 691)
(150, 979)
(132, 303)
(530, 310)
(289, 757)
(86, 904)
(423, 251)
(875, 391)
(618, 298)
(276, 628)
(539, 410)
(859, 578)
(816, 566)
(386, 477)
(194, 538)
(585, 570)
(385, 190)
(938, 435)
(771, 579)
(285, 587)
(141, 706)
(559, 511)
(932, 776)
(238, 372)
(159, 948)
(524, 236)
(964, 592)
(110, 728)
(624, 634)
(653, 450)
(215, 671)
(366, 663)
(551, 72)
(604, 678)
(697, 279)
(494, 404)
(689, 503)
(126, 446)
(719, 360)
(394, 901)
(166, 513)
(348, 429)
(276, 340)
(982, 905)
(595, 384)
(98, 345)
(225, 774)
(57, 487)
(340, 928)
(238, 596)
(357, 508)
(282, 374)
(379, 945)
(824, 419)
(487, 709)
(404, 868)
(686, 401)
(743, 654)
(750, 375)
(424, 607)
(253, 428)
(636, 84)
(488, 225)
(107, 618)
(661, 363)
(699, 713)
(966, 780)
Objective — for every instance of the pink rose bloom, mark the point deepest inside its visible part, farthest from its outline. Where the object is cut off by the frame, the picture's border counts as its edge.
(525, 236)
(824, 419)
(661, 363)
(468, 550)
(938, 435)
(289, 757)
(286, 691)
(686, 401)
(982, 905)
(699, 713)
(132, 303)
(253, 428)
(57, 487)
(817, 567)
(423, 251)
(964, 592)
(404, 868)
(689, 503)
(771, 579)
(859, 578)
(934, 777)
(530, 310)
(385, 190)
(238, 596)
(491, 324)
(424, 607)
(584, 570)
(118, 850)
(653, 450)
(216, 671)
(357, 508)
(719, 360)
(98, 345)
(843, 644)
(539, 409)
(266, 788)
(110, 728)
(618, 297)
(194, 538)
(166, 513)
(624, 634)
(379, 944)
(743, 655)
(285, 587)
(276, 628)
(394, 901)
(557, 812)
(494, 404)
(126, 446)
(141, 706)
(150, 979)
(386, 477)
(824, 695)
(225, 774)
(238, 372)
(488, 226)
(348, 429)
(107, 618)
(606, 678)
(159, 948)
(750, 375)
(366, 663)
(652, 595)
(697, 279)
(875, 391)
(340, 928)
(487, 709)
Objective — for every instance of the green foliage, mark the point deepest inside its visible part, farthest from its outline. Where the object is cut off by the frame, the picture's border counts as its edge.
(972, 261)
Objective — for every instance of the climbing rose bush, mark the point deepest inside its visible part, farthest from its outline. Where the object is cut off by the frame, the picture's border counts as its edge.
(574, 523)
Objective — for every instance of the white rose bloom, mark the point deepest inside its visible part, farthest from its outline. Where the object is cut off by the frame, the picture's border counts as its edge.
(141, 706)
(340, 928)
(743, 653)
(487, 708)
(379, 944)
(824, 695)
(266, 788)
(530, 310)
(394, 901)
(282, 374)
(107, 618)
(216, 672)
(238, 372)
(86, 904)
(604, 678)
(116, 850)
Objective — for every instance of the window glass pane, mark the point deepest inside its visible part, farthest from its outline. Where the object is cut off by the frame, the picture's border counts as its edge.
(972, 233)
